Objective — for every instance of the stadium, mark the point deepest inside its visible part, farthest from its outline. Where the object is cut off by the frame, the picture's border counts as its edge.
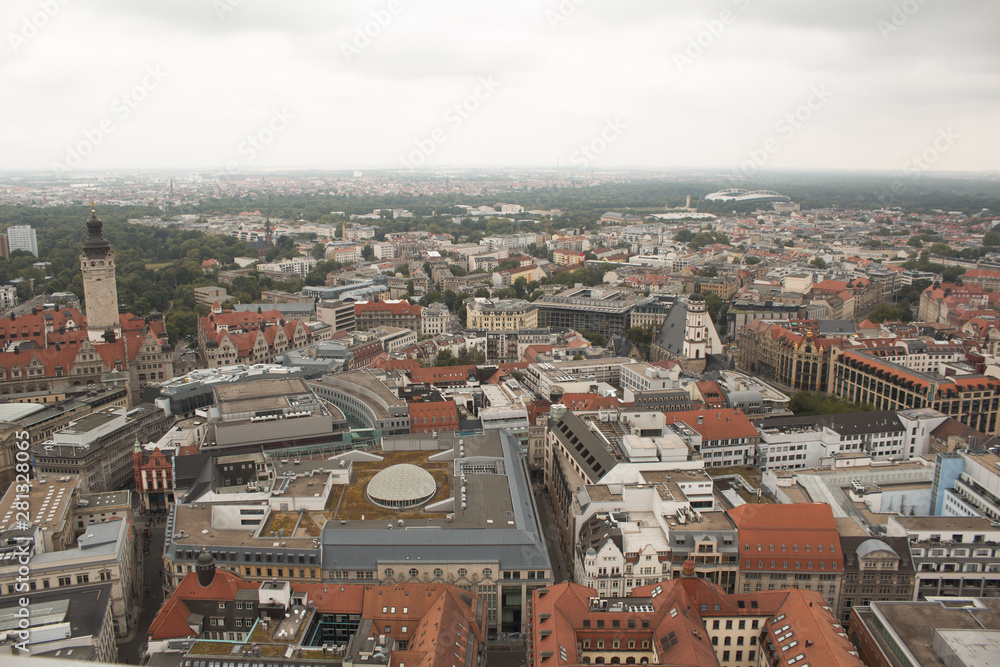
(748, 196)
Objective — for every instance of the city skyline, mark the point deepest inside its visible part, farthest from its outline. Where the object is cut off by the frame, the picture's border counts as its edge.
(737, 87)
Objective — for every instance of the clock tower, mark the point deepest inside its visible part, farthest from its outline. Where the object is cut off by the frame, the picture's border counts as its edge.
(100, 294)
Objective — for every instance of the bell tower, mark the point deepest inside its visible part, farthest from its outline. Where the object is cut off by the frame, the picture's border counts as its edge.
(696, 326)
(100, 294)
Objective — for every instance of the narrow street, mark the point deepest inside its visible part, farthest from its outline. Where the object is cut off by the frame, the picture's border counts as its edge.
(560, 572)
(152, 579)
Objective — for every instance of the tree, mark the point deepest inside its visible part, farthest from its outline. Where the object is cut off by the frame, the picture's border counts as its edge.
(431, 297)
(751, 260)
(594, 337)
(952, 273)
(445, 358)
(915, 242)
(471, 355)
(319, 251)
(893, 313)
(482, 293)
(942, 249)
(805, 404)
(708, 271)
(991, 239)
(818, 262)
(368, 253)
(520, 287)
(716, 308)
(640, 336)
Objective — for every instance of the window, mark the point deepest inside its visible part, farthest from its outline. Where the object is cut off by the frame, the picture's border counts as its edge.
(438, 572)
(389, 573)
(487, 573)
(82, 578)
(414, 572)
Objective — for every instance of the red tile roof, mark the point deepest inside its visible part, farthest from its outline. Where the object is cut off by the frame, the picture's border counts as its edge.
(171, 620)
(394, 307)
(788, 538)
(716, 424)
(808, 634)
(436, 374)
(584, 402)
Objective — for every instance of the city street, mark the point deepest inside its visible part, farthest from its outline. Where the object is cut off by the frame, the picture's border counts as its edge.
(152, 578)
(560, 572)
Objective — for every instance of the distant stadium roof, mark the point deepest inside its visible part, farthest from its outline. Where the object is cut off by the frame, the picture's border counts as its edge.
(739, 195)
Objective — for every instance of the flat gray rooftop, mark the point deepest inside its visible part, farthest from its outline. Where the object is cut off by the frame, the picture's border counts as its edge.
(915, 622)
(250, 396)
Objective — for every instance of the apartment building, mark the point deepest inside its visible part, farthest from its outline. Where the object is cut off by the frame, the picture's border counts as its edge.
(105, 553)
(685, 621)
(722, 437)
(789, 545)
(435, 319)
(862, 377)
(952, 556)
(371, 314)
(501, 314)
(874, 569)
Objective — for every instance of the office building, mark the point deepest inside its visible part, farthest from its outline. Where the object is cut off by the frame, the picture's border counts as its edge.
(22, 237)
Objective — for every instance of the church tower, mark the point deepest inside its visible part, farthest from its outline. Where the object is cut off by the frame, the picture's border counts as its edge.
(100, 294)
(696, 326)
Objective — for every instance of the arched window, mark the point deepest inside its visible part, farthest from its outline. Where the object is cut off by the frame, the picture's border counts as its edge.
(616, 660)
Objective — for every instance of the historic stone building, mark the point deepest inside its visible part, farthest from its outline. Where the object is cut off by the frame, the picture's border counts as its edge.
(57, 351)
(100, 294)
(687, 334)
(791, 354)
(227, 338)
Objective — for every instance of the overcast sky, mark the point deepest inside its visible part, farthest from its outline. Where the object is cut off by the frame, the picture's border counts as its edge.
(728, 84)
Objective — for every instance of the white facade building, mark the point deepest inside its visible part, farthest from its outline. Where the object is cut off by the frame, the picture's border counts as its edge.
(22, 237)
